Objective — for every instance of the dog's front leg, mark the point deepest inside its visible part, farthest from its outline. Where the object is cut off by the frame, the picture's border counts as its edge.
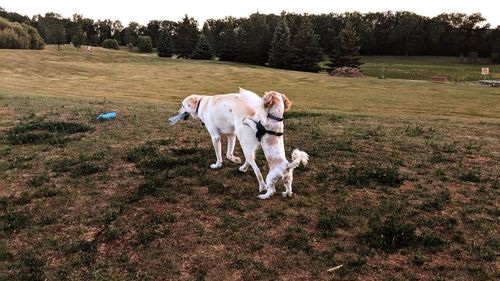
(250, 123)
(218, 151)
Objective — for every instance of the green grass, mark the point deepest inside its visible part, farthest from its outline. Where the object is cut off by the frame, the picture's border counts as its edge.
(423, 68)
(403, 176)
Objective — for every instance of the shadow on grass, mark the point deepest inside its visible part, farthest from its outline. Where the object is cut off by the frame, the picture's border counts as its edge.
(45, 132)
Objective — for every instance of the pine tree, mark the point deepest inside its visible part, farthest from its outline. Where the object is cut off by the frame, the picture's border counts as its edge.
(257, 39)
(280, 45)
(165, 44)
(229, 49)
(203, 50)
(186, 36)
(242, 46)
(305, 52)
(347, 48)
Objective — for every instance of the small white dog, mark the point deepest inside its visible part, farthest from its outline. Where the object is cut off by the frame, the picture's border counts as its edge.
(223, 115)
(270, 132)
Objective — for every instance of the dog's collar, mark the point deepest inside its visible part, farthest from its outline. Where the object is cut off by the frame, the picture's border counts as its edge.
(261, 131)
(198, 106)
(196, 112)
(279, 119)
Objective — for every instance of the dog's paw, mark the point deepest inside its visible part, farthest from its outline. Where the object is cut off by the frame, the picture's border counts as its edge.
(234, 159)
(287, 194)
(263, 196)
(216, 165)
(266, 196)
(243, 168)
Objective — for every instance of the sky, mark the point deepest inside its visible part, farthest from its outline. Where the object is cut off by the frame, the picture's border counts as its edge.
(144, 10)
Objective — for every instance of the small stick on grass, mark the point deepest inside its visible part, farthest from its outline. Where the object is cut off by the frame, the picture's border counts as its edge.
(335, 268)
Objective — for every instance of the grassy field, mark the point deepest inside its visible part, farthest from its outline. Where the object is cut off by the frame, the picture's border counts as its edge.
(422, 68)
(403, 181)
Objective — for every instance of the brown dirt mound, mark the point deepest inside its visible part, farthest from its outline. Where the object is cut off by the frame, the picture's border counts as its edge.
(347, 72)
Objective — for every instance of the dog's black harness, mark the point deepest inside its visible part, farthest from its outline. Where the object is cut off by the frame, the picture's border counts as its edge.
(261, 131)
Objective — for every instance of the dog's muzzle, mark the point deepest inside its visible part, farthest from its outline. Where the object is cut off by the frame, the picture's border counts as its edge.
(174, 119)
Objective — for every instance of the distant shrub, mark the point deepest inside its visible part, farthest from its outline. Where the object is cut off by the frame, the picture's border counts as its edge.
(495, 57)
(495, 51)
(145, 44)
(14, 35)
(110, 44)
(9, 39)
(36, 41)
(472, 57)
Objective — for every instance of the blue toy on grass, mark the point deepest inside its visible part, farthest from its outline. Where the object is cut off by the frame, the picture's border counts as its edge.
(106, 116)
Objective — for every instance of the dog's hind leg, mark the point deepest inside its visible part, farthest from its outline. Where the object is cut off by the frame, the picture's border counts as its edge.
(287, 181)
(271, 180)
(231, 140)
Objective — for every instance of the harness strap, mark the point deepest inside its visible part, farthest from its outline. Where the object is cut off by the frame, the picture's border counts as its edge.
(261, 131)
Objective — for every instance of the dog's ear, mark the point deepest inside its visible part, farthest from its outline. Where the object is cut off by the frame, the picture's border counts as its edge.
(269, 99)
(286, 102)
(192, 101)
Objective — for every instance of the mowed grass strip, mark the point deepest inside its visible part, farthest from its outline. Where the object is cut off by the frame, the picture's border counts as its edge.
(423, 68)
(126, 76)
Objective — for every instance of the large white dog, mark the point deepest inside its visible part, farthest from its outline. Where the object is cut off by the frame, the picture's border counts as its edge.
(223, 115)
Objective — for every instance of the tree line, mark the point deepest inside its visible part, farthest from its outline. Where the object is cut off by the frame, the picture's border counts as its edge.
(300, 39)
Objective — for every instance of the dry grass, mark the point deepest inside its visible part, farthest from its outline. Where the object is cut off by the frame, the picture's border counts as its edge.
(126, 76)
(395, 190)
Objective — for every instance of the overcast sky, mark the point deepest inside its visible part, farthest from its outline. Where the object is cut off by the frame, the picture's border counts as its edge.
(144, 10)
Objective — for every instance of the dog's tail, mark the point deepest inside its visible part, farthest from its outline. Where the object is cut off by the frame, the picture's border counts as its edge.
(297, 158)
